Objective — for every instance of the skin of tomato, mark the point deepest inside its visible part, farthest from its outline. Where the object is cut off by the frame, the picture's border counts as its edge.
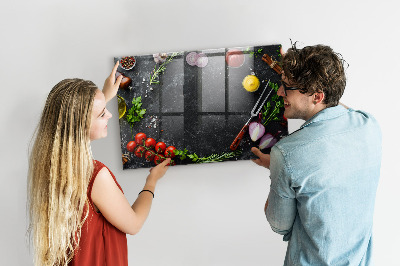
(150, 143)
(139, 152)
(149, 155)
(169, 152)
(158, 160)
(171, 163)
(131, 146)
(160, 147)
(139, 138)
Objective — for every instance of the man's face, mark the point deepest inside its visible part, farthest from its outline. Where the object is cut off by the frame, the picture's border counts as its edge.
(297, 104)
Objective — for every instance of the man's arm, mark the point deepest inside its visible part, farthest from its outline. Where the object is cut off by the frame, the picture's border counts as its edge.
(280, 208)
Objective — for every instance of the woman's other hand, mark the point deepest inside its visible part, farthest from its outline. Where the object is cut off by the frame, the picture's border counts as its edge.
(111, 84)
(157, 172)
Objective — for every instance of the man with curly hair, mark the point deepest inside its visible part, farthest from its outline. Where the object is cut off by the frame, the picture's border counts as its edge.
(324, 176)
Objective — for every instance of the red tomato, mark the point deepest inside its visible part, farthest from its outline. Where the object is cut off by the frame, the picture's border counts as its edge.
(131, 146)
(171, 163)
(158, 159)
(169, 152)
(149, 155)
(150, 143)
(160, 147)
(139, 138)
(139, 151)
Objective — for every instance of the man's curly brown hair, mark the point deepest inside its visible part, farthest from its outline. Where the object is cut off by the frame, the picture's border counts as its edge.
(316, 69)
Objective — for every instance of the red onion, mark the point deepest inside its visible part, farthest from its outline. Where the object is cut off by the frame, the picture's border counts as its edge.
(191, 58)
(202, 60)
(256, 130)
(267, 141)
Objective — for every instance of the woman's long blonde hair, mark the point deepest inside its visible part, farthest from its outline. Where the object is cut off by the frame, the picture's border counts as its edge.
(60, 168)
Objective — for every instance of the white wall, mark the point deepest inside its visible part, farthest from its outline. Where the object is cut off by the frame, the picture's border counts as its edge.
(207, 214)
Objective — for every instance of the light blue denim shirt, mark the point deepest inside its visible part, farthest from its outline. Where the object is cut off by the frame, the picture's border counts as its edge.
(323, 183)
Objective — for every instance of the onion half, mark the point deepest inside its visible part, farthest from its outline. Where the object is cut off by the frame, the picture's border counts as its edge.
(256, 130)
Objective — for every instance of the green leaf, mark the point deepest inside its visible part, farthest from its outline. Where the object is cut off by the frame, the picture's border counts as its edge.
(135, 113)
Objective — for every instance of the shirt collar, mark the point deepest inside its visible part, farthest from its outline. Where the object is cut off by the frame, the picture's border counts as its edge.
(326, 114)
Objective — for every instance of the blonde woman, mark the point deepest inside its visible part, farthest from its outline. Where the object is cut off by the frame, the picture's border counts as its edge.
(78, 212)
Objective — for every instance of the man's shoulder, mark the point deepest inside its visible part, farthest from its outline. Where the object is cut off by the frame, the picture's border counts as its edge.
(319, 131)
(293, 142)
(365, 117)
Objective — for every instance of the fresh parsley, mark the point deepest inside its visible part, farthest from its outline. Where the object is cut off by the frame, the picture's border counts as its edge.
(135, 113)
(271, 111)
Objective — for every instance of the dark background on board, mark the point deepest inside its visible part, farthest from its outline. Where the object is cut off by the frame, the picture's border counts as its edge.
(200, 109)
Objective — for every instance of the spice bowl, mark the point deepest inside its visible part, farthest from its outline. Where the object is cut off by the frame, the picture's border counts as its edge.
(127, 62)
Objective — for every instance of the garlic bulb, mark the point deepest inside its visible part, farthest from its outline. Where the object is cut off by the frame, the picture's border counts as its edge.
(160, 58)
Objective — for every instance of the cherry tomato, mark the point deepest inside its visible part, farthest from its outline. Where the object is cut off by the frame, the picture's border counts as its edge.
(150, 143)
(131, 146)
(171, 163)
(169, 152)
(158, 159)
(139, 151)
(149, 155)
(139, 138)
(160, 147)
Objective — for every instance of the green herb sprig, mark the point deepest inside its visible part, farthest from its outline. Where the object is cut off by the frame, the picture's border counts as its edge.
(270, 111)
(253, 53)
(182, 154)
(155, 74)
(208, 159)
(135, 113)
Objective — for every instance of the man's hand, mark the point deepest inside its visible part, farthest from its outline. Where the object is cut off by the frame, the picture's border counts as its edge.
(111, 85)
(264, 159)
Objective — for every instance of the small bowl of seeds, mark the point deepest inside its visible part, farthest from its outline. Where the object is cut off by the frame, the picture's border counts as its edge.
(127, 62)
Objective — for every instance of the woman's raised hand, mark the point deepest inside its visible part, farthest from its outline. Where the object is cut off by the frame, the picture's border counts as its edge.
(111, 84)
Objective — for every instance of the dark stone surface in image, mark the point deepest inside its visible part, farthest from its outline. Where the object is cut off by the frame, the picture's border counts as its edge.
(201, 109)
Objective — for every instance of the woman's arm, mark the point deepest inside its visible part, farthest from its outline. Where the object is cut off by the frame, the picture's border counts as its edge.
(114, 206)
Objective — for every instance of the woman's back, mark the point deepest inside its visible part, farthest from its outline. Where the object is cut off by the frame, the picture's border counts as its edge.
(101, 243)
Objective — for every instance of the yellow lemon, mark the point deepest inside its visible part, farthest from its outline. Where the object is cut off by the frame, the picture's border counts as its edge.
(121, 106)
(251, 83)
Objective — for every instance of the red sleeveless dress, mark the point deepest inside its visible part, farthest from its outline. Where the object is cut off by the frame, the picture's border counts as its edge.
(101, 243)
